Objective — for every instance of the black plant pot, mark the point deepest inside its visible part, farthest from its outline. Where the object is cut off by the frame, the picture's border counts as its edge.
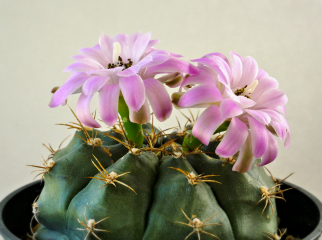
(301, 215)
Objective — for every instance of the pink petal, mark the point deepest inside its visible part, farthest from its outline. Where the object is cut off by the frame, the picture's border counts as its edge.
(228, 93)
(159, 98)
(142, 116)
(175, 55)
(245, 102)
(277, 122)
(173, 65)
(224, 67)
(95, 54)
(207, 123)
(84, 113)
(260, 116)
(281, 109)
(151, 44)
(288, 132)
(245, 157)
(217, 54)
(139, 46)
(133, 91)
(234, 138)
(259, 137)
(201, 78)
(236, 69)
(264, 84)
(229, 109)
(108, 103)
(261, 74)
(87, 60)
(199, 95)
(79, 67)
(152, 59)
(122, 39)
(250, 71)
(94, 84)
(106, 45)
(271, 99)
(74, 82)
(279, 129)
(271, 152)
(224, 75)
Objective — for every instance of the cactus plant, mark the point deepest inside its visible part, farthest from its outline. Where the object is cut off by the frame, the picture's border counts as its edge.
(203, 181)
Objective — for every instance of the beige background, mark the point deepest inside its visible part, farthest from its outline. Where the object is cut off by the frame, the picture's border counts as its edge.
(37, 39)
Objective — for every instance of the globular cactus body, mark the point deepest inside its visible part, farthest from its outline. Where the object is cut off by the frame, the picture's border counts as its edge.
(153, 199)
(238, 195)
(69, 176)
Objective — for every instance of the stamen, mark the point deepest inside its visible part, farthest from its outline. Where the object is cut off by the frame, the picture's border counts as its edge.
(247, 90)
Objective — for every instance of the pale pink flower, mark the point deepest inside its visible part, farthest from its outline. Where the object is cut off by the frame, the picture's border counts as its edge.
(245, 95)
(127, 65)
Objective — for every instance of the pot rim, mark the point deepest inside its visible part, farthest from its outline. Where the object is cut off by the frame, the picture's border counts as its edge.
(4, 231)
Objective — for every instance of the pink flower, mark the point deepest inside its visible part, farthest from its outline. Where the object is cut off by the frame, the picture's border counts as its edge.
(127, 65)
(245, 95)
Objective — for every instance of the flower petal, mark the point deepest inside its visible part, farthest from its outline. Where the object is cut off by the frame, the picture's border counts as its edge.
(159, 98)
(236, 69)
(95, 54)
(271, 98)
(199, 95)
(271, 152)
(250, 71)
(234, 138)
(106, 45)
(94, 84)
(264, 84)
(84, 113)
(139, 46)
(217, 54)
(261, 73)
(245, 102)
(201, 78)
(87, 60)
(133, 91)
(207, 123)
(173, 65)
(260, 116)
(74, 82)
(151, 44)
(245, 157)
(229, 109)
(79, 67)
(219, 66)
(142, 116)
(108, 103)
(259, 137)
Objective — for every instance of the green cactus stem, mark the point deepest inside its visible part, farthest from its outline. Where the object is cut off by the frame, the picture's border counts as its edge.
(191, 143)
(133, 131)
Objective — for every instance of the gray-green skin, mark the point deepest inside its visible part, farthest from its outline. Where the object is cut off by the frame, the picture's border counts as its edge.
(161, 192)
(172, 193)
(69, 176)
(238, 195)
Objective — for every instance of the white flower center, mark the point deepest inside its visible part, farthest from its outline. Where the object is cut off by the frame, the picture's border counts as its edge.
(116, 52)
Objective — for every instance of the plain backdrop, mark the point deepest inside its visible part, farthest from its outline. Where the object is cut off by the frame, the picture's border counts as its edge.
(38, 37)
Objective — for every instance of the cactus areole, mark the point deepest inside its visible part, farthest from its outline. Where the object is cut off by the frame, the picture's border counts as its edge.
(203, 180)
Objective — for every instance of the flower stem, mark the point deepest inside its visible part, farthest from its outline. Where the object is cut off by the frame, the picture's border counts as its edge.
(133, 131)
(191, 143)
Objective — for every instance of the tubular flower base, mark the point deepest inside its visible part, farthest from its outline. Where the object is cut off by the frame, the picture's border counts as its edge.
(244, 95)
